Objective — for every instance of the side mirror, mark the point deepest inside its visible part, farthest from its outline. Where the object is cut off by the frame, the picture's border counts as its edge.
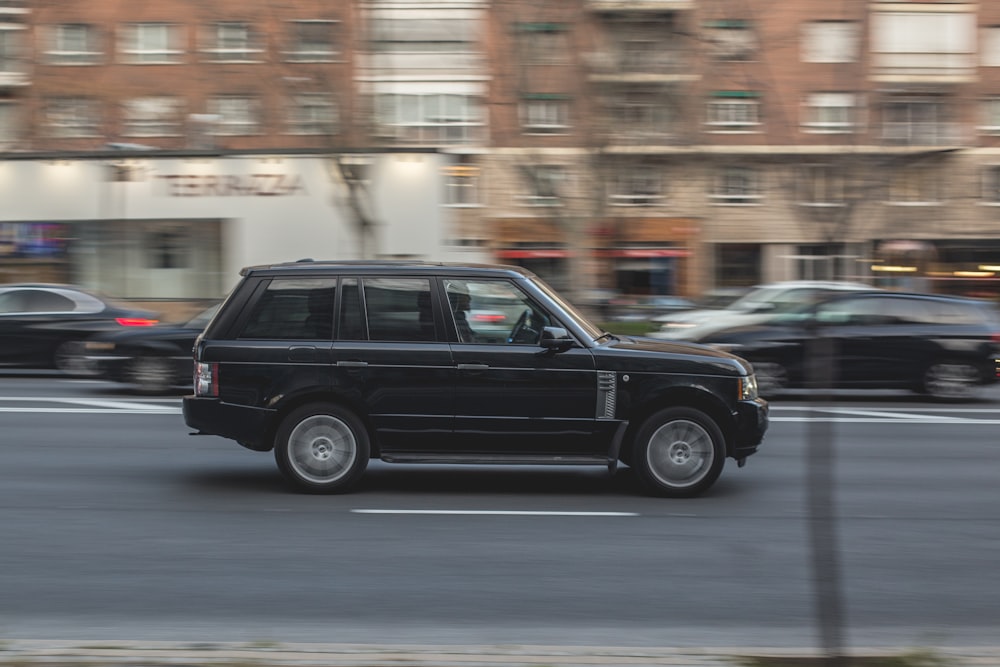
(556, 338)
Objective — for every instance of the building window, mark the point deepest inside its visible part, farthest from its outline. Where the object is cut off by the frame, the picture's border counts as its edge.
(918, 121)
(640, 115)
(636, 186)
(231, 41)
(151, 43)
(545, 114)
(71, 117)
(235, 114)
(732, 40)
(821, 185)
(830, 41)
(991, 184)
(152, 117)
(461, 185)
(10, 119)
(543, 184)
(990, 47)
(429, 118)
(922, 43)
(423, 35)
(72, 44)
(915, 184)
(542, 43)
(730, 111)
(736, 185)
(313, 113)
(12, 60)
(312, 41)
(830, 113)
(990, 123)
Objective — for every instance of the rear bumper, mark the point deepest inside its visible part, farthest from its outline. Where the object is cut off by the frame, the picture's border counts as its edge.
(251, 427)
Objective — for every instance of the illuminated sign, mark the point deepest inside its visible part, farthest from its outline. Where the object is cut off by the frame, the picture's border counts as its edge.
(248, 185)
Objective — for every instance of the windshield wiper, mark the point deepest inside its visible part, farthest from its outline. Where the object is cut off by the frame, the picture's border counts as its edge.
(607, 335)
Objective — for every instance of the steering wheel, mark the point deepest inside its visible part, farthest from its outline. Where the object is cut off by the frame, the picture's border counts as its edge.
(518, 326)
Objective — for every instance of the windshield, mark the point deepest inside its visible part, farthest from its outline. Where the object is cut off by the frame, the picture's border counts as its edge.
(592, 329)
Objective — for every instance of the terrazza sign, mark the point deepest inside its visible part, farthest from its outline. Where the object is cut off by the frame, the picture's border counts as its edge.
(247, 185)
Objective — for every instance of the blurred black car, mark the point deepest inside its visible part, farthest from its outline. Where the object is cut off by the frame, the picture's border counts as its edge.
(41, 324)
(152, 360)
(938, 345)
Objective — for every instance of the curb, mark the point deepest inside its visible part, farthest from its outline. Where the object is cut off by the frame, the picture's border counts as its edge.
(23, 653)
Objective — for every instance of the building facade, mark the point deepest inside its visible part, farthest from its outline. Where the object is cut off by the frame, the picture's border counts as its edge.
(647, 146)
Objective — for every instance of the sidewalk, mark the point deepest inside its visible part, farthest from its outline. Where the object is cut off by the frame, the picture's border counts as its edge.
(24, 653)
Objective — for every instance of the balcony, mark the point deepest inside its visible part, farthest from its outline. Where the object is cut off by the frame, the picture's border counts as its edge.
(924, 134)
(944, 68)
(638, 6)
(632, 67)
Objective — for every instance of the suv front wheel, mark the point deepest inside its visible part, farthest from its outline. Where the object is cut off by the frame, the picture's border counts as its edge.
(322, 448)
(678, 452)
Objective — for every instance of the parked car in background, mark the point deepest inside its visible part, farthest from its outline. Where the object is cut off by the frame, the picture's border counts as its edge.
(757, 305)
(41, 325)
(331, 364)
(151, 360)
(647, 307)
(942, 346)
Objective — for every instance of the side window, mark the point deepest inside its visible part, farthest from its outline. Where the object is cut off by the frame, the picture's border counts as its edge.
(40, 301)
(494, 312)
(293, 309)
(12, 302)
(399, 309)
(351, 318)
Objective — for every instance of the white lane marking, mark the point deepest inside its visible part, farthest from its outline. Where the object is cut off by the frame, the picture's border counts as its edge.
(86, 406)
(872, 420)
(495, 512)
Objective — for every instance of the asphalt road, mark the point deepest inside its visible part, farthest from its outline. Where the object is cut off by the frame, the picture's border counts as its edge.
(114, 524)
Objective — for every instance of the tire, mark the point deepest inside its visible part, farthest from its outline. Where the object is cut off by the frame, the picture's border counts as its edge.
(150, 374)
(950, 380)
(69, 359)
(678, 452)
(772, 377)
(322, 448)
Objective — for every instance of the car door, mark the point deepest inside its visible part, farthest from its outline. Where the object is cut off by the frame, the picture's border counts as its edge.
(279, 347)
(875, 345)
(512, 397)
(390, 356)
(33, 324)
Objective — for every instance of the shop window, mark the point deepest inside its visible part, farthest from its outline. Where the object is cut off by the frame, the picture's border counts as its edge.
(167, 250)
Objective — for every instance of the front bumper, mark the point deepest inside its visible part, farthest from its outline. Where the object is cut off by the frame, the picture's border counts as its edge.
(752, 420)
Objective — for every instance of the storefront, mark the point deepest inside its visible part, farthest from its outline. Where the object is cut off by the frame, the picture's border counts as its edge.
(174, 228)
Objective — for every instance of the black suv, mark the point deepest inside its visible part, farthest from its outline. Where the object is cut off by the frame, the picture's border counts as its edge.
(333, 363)
(943, 346)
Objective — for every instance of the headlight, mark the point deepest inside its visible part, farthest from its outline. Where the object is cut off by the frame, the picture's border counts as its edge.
(748, 387)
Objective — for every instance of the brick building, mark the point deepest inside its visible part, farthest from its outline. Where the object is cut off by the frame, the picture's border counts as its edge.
(651, 146)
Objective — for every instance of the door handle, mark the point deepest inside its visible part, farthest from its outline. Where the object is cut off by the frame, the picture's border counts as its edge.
(473, 367)
(302, 353)
(352, 364)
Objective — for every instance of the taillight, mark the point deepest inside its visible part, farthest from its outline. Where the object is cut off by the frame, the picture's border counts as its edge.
(135, 321)
(483, 317)
(206, 379)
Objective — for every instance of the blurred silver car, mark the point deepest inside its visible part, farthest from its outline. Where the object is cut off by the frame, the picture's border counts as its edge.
(758, 305)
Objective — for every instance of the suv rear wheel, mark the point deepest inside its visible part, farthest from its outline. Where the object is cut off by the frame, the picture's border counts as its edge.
(322, 448)
(678, 452)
